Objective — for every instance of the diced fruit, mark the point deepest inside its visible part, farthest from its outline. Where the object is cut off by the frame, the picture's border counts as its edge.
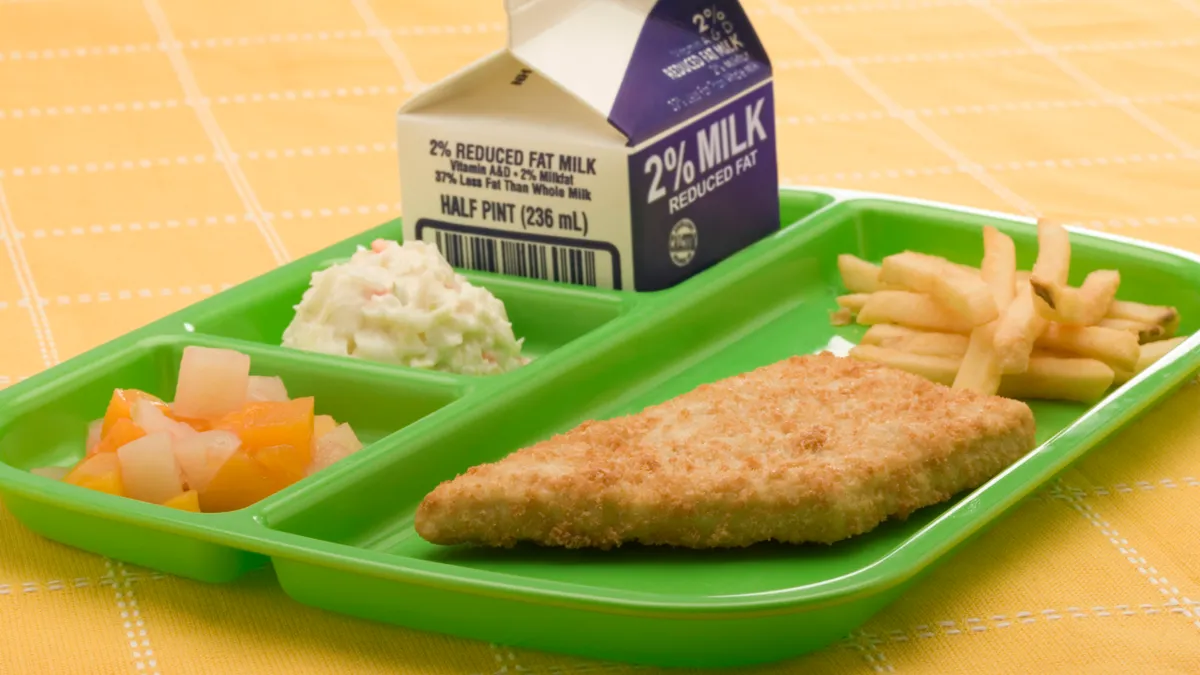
(266, 389)
(149, 470)
(285, 463)
(322, 424)
(186, 501)
(263, 424)
(100, 472)
(239, 483)
(120, 406)
(122, 433)
(196, 423)
(333, 447)
(212, 382)
(95, 433)
(200, 456)
(51, 472)
(153, 420)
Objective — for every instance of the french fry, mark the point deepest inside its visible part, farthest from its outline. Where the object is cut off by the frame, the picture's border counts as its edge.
(1054, 254)
(930, 344)
(1154, 351)
(980, 369)
(853, 302)
(999, 267)
(1167, 317)
(1145, 332)
(940, 369)
(1017, 331)
(916, 341)
(962, 292)
(858, 275)
(915, 310)
(1062, 379)
(1083, 306)
(1116, 348)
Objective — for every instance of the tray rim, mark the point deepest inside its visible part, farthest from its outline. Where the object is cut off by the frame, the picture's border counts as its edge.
(221, 529)
(1104, 418)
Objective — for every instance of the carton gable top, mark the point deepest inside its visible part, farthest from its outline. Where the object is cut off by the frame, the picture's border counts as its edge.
(644, 66)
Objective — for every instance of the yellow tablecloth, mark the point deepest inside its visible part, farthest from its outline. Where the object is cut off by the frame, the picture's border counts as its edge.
(116, 207)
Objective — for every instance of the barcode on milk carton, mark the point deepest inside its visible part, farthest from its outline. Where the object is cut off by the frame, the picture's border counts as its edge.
(545, 258)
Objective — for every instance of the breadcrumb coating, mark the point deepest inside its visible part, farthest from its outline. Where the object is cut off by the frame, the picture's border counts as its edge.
(812, 449)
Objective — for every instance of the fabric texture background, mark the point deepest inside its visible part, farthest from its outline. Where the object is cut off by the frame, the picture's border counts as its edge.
(154, 152)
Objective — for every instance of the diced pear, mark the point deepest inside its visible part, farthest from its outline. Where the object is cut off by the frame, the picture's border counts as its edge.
(266, 389)
(51, 472)
(334, 447)
(151, 418)
(149, 470)
(200, 456)
(94, 434)
(212, 382)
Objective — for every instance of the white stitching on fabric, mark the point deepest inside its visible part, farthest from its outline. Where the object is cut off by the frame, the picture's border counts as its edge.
(971, 168)
(216, 136)
(1065, 493)
(244, 41)
(26, 282)
(186, 160)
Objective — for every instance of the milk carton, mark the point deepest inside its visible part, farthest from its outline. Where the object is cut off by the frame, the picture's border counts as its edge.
(624, 144)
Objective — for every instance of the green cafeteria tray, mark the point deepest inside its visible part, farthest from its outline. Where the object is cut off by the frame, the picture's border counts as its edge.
(343, 540)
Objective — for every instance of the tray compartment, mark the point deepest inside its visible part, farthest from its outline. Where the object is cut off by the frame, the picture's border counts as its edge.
(770, 302)
(47, 427)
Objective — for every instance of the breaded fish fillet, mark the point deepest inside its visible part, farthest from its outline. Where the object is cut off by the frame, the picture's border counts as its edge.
(810, 449)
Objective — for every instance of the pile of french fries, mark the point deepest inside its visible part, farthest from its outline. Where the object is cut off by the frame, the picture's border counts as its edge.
(999, 330)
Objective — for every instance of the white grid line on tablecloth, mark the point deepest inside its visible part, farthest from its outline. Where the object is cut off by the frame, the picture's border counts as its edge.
(23, 587)
(992, 622)
(132, 620)
(383, 36)
(82, 51)
(1078, 503)
(26, 283)
(947, 110)
(185, 160)
(144, 293)
(1051, 54)
(217, 137)
(991, 53)
(963, 109)
(1097, 47)
(209, 221)
(971, 168)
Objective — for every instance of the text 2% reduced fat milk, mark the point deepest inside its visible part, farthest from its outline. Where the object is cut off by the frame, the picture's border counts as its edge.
(623, 144)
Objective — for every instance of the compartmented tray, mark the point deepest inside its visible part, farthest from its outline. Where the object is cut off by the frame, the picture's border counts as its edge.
(343, 539)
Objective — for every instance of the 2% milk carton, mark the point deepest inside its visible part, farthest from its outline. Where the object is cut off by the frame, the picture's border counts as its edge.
(624, 144)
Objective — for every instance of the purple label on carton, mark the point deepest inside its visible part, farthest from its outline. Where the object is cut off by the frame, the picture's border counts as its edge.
(690, 55)
(705, 192)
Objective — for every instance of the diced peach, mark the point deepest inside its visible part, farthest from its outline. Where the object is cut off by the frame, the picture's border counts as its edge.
(94, 434)
(200, 456)
(149, 470)
(185, 501)
(122, 433)
(333, 447)
(154, 419)
(101, 472)
(266, 389)
(239, 483)
(51, 472)
(322, 424)
(212, 382)
(285, 463)
(120, 406)
(263, 424)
